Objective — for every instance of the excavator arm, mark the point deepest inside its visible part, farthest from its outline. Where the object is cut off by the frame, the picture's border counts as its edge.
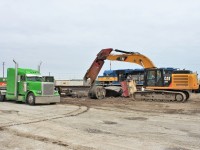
(105, 54)
(132, 57)
(96, 66)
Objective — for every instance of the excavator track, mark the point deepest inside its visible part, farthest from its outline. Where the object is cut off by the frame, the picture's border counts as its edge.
(160, 95)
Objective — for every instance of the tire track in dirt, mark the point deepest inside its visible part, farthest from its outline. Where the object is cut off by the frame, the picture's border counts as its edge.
(46, 140)
(74, 113)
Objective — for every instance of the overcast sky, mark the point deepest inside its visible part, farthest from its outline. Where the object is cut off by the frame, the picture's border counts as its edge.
(66, 35)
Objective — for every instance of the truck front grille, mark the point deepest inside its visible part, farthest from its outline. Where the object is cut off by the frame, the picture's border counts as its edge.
(47, 88)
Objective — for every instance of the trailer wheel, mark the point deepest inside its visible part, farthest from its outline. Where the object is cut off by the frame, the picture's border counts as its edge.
(30, 99)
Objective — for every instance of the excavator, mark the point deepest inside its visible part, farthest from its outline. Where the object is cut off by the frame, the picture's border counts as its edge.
(160, 84)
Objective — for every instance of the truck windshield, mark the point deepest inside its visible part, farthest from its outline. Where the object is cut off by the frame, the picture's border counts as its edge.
(34, 78)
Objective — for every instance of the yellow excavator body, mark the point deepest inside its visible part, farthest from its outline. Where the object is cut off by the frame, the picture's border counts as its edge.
(164, 86)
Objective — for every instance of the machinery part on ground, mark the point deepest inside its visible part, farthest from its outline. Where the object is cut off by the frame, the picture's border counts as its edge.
(132, 87)
(161, 95)
(97, 92)
(125, 89)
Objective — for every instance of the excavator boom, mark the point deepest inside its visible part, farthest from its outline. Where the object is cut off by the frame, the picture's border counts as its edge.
(132, 57)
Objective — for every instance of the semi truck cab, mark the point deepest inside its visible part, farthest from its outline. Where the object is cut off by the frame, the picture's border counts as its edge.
(28, 86)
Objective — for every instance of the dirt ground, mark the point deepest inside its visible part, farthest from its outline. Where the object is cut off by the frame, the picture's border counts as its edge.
(112, 123)
(190, 107)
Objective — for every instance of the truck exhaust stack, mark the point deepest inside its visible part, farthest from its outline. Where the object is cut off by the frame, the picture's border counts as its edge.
(16, 78)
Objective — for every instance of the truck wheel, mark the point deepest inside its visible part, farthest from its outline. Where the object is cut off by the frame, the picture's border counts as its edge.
(30, 99)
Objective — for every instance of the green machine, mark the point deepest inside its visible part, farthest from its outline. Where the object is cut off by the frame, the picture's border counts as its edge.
(27, 85)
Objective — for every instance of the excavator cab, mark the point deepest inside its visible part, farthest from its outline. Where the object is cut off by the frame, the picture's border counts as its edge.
(153, 77)
(158, 77)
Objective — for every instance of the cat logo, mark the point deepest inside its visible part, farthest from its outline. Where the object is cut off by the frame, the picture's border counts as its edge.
(122, 58)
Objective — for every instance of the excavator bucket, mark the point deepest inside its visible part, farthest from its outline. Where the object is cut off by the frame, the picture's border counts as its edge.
(96, 66)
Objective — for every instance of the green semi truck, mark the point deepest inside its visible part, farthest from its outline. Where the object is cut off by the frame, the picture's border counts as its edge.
(27, 85)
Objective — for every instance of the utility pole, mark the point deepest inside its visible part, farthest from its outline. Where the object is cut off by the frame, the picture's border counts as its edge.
(39, 66)
(3, 68)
